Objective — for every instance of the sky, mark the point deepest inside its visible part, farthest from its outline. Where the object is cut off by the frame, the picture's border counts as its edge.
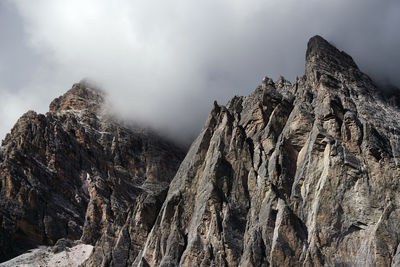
(162, 63)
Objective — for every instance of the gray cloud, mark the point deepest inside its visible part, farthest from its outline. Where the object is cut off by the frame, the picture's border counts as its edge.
(164, 62)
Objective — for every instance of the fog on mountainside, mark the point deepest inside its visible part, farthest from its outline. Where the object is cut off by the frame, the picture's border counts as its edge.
(163, 63)
(303, 173)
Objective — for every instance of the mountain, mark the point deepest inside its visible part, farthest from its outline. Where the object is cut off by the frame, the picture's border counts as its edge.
(78, 173)
(296, 173)
(303, 173)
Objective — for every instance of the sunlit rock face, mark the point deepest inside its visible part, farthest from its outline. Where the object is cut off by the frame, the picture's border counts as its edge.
(302, 173)
(78, 173)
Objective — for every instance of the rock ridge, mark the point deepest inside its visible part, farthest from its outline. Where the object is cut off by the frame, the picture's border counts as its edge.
(328, 66)
(77, 173)
(296, 173)
(301, 173)
(79, 97)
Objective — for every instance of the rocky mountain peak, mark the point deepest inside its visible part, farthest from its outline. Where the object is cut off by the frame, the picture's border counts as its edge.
(296, 173)
(82, 96)
(71, 171)
(287, 175)
(320, 51)
(325, 63)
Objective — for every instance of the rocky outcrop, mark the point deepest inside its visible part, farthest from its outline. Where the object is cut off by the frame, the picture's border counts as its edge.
(78, 173)
(302, 173)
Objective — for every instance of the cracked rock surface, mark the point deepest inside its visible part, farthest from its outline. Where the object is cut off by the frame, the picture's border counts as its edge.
(303, 173)
(78, 173)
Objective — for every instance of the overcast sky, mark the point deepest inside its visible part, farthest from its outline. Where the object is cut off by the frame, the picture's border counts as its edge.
(164, 62)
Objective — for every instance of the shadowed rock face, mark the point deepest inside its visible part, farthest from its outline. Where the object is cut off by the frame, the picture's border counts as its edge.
(77, 173)
(302, 173)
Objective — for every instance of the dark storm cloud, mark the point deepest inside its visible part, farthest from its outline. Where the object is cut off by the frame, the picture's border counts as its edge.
(163, 62)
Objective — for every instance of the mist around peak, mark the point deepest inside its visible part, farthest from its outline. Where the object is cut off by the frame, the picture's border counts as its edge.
(162, 64)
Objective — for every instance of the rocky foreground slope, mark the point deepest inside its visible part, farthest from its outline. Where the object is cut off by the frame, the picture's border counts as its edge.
(77, 173)
(303, 173)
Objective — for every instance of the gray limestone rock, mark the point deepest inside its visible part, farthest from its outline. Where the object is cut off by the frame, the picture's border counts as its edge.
(303, 173)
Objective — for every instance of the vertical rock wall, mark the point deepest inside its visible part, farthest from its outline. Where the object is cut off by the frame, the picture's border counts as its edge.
(303, 173)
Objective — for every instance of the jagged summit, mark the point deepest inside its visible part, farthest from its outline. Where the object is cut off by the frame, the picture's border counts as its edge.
(80, 97)
(303, 173)
(294, 174)
(325, 64)
(322, 50)
(67, 173)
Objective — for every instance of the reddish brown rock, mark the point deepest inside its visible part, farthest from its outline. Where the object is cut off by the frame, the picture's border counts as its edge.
(77, 173)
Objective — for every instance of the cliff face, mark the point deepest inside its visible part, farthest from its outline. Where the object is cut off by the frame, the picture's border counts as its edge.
(77, 173)
(302, 173)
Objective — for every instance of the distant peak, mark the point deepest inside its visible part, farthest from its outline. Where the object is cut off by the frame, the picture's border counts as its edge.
(322, 59)
(80, 97)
